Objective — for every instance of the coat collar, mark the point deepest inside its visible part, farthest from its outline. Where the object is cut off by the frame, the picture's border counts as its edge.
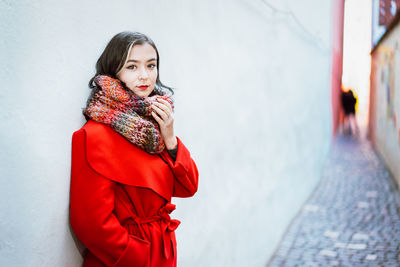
(114, 157)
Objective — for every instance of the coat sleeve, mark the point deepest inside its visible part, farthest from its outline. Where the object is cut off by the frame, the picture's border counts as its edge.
(185, 172)
(92, 217)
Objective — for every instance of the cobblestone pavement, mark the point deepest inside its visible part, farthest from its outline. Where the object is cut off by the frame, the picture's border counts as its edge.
(351, 219)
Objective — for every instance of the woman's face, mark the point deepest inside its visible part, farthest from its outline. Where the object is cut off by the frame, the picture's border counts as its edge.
(140, 71)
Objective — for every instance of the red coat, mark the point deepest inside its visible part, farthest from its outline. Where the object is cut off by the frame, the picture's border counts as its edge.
(120, 198)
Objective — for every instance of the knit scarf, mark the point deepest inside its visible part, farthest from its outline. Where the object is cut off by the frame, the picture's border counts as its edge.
(126, 113)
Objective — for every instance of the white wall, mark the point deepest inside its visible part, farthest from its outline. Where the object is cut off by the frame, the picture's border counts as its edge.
(252, 105)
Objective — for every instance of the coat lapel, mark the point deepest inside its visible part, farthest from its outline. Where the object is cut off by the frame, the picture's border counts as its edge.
(115, 158)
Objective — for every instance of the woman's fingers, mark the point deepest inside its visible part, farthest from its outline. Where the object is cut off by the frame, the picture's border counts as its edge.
(161, 113)
(165, 102)
(163, 107)
(156, 117)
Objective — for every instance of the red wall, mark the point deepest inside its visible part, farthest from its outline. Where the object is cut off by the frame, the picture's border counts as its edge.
(337, 60)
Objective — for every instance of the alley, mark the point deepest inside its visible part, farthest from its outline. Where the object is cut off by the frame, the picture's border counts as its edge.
(351, 219)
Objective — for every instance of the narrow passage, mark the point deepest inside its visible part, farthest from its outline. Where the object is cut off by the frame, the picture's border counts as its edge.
(351, 219)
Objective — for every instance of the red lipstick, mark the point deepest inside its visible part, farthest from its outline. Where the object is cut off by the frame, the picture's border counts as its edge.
(143, 87)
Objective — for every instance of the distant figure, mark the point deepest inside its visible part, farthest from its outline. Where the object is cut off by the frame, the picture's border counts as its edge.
(348, 103)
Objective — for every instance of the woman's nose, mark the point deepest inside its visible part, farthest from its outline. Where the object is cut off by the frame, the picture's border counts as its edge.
(143, 74)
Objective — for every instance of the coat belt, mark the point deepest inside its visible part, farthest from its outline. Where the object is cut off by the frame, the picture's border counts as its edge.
(168, 225)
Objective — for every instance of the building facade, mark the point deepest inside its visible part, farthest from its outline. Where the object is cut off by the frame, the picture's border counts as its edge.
(384, 110)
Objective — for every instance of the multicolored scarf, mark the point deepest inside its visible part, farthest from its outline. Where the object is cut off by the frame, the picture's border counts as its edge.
(126, 113)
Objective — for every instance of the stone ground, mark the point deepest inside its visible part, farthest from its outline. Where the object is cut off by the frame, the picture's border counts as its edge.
(351, 219)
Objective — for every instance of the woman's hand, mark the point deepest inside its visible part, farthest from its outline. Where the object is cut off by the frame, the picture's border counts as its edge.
(163, 114)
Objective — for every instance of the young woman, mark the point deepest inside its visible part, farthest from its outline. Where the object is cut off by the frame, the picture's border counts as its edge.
(127, 163)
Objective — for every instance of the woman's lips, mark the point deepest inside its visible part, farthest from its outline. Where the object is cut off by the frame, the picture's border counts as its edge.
(143, 87)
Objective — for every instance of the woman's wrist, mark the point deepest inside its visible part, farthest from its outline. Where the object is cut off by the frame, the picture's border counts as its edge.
(171, 143)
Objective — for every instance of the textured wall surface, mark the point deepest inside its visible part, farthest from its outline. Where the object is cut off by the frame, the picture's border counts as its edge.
(252, 105)
(385, 101)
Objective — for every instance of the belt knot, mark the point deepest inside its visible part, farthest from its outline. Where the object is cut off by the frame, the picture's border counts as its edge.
(168, 225)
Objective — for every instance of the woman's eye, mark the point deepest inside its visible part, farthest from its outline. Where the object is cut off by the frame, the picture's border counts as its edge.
(131, 67)
(151, 66)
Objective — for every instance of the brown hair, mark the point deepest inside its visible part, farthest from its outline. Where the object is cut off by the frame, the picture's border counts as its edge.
(116, 54)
